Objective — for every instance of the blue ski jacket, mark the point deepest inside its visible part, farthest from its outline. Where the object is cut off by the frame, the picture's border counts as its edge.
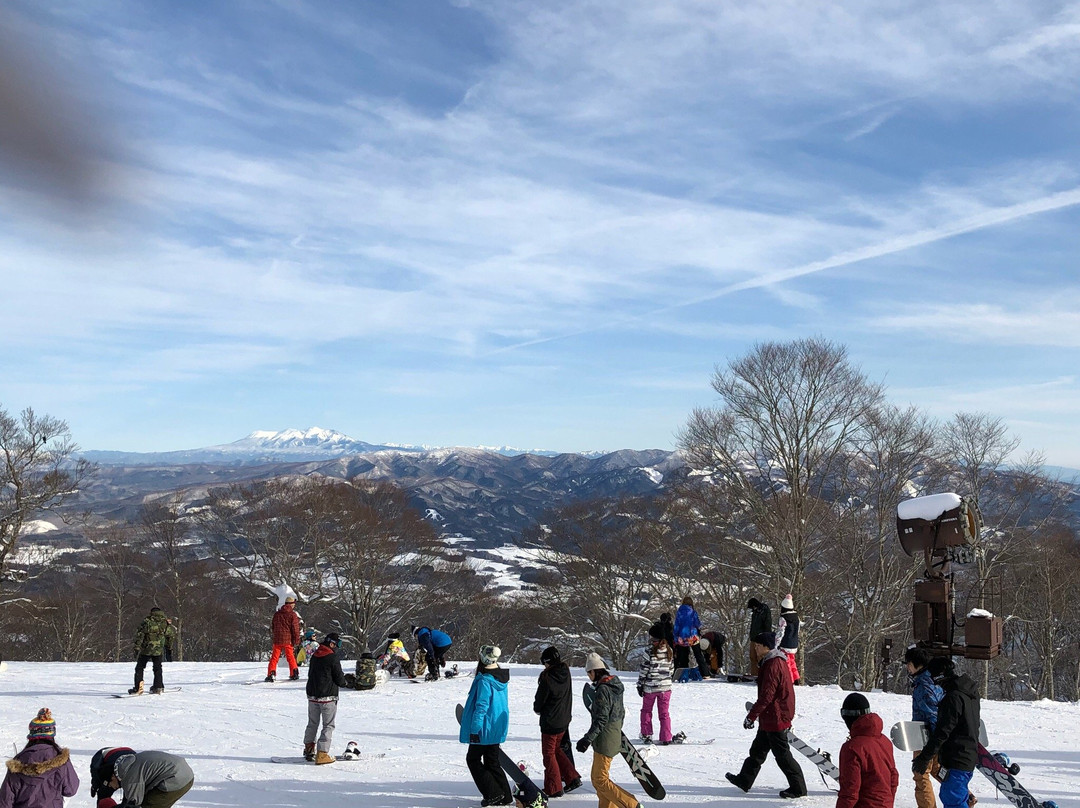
(487, 712)
(687, 624)
(925, 698)
(431, 639)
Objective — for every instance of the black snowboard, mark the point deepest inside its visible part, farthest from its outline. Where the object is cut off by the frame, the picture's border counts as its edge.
(144, 693)
(640, 769)
(529, 789)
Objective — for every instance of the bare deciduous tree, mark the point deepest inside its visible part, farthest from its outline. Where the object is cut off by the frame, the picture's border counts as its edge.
(604, 557)
(792, 415)
(38, 474)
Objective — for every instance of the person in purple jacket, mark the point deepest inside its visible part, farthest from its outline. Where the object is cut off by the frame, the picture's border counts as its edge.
(41, 775)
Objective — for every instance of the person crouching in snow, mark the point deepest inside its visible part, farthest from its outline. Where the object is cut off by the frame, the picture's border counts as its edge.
(774, 709)
(654, 687)
(325, 677)
(485, 721)
(605, 733)
(41, 775)
(868, 776)
(148, 779)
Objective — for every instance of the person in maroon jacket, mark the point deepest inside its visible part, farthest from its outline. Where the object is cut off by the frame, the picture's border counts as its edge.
(41, 775)
(773, 710)
(868, 776)
(285, 634)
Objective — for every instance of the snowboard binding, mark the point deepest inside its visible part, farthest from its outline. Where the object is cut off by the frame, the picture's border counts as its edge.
(352, 751)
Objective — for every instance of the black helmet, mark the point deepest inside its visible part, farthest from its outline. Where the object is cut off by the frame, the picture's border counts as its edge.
(941, 668)
(332, 639)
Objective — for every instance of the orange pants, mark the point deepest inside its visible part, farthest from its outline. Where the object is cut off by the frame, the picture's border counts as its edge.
(275, 655)
(924, 786)
(611, 796)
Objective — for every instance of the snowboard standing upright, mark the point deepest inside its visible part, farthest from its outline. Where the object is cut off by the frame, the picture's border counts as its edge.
(911, 736)
(638, 767)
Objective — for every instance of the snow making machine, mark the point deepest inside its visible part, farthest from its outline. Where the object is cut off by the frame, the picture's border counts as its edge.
(943, 528)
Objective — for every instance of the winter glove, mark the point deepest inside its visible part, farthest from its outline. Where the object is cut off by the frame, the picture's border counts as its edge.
(582, 745)
(748, 723)
(920, 764)
(641, 690)
(106, 802)
(474, 738)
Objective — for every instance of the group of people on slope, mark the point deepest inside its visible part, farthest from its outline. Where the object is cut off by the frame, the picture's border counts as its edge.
(486, 717)
(42, 775)
(946, 701)
(786, 633)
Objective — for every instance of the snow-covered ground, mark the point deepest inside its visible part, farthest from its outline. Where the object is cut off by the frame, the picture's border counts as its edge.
(228, 732)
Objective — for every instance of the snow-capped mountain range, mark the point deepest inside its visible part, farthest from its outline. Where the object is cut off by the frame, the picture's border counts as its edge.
(287, 445)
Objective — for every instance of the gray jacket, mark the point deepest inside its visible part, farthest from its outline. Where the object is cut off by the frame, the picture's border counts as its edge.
(146, 771)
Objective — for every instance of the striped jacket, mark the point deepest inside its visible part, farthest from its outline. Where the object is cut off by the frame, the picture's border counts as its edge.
(656, 672)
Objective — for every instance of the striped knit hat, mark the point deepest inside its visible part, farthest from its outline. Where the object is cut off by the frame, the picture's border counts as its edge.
(42, 726)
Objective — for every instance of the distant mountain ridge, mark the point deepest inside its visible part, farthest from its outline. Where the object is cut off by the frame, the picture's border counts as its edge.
(284, 446)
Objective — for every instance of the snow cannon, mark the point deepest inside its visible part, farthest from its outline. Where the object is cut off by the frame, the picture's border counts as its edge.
(933, 523)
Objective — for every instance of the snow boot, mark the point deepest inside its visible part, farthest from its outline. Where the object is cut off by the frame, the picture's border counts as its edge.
(735, 781)
(573, 784)
(309, 752)
(645, 738)
(157, 691)
(269, 677)
(321, 758)
(294, 676)
(137, 689)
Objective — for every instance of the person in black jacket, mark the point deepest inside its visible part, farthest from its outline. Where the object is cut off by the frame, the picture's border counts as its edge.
(955, 739)
(760, 621)
(553, 703)
(324, 678)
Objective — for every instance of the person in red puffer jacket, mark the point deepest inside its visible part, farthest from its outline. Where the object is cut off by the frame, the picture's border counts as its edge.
(868, 776)
(285, 634)
(773, 710)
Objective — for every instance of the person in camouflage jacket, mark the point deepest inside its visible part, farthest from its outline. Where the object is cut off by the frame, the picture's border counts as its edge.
(153, 639)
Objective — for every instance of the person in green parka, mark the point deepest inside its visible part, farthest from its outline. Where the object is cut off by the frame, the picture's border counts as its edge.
(605, 733)
(154, 637)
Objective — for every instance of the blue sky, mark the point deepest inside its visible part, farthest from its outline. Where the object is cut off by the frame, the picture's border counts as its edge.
(542, 224)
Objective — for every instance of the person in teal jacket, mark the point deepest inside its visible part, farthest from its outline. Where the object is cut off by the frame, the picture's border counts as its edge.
(485, 721)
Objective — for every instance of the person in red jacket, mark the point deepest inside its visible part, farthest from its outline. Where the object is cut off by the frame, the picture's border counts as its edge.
(285, 634)
(773, 710)
(868, 776)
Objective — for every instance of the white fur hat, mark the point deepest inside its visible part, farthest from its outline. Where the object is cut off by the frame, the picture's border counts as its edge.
(787, 603)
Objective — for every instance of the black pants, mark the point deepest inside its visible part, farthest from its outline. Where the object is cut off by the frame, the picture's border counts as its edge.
(483, 762)
(140, 666)
(438, 659)
(682, 658)
(777, 743)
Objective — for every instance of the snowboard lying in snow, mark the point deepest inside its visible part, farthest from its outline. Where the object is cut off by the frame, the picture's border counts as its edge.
(144, 693)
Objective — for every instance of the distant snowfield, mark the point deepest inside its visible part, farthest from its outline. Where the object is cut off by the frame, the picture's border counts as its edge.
(228, 732)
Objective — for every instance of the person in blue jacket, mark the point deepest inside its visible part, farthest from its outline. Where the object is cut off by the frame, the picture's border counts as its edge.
(686, 631)
(434, 644)
(484, 724)
(925, 697)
